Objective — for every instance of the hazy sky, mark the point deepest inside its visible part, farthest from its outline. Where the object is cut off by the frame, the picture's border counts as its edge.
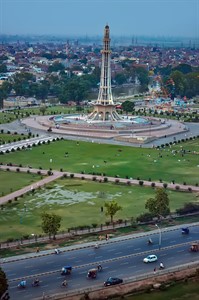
(81, 17)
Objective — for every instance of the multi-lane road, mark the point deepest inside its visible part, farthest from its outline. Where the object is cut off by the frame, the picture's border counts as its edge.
(122, 258)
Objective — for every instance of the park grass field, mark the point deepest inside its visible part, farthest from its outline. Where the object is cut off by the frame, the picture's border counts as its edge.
(12, 181)
(180, 291)
(79, 203)
(9, 116)
(95, 158)
(6, 117)
(9, 138)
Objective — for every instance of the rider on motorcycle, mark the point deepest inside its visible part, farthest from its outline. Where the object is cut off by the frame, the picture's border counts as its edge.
(36, 281)
(64, 283)
(161, 266)
(99, 267)
(150, 241)
(96, 246)
(22, 283)
(57, 251)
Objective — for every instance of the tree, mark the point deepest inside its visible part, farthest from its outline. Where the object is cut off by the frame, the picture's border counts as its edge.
(183, 68)
(179, 81)
(112, 208)
(128, 106)
(3, 283)
(3, 68)
(50, 224)
(120, 78)
(158, 206)
(43, 109)
(55, 67)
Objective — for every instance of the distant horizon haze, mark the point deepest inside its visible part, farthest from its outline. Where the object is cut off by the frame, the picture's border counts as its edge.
(148, 18)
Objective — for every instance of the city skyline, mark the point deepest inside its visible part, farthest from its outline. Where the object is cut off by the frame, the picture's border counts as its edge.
(177, 18)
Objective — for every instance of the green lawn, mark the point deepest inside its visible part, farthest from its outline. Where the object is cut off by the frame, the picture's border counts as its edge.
(9, 138)
(181, 291)
(79, 203)
(9, 116)
(11, 181)
(114, 160)
(6, 117)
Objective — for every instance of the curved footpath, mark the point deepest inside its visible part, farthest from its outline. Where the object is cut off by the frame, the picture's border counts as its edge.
(58, 174)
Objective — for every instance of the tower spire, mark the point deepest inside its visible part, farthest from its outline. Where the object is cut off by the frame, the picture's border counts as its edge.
(104, 109)
(105, 94)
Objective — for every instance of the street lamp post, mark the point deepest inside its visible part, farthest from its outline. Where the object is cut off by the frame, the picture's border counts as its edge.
(160, 235)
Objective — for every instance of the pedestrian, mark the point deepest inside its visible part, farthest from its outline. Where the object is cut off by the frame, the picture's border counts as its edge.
(154, 270)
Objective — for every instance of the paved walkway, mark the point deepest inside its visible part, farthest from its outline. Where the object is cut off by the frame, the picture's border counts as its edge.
(58, 174)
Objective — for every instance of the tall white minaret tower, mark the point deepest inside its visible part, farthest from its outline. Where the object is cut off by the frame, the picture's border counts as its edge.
(105, 93)
(104, 109)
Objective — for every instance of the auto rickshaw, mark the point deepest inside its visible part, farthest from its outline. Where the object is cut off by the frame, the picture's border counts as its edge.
(194, 247)
(185, 230)
(92, 273)
(66, 270)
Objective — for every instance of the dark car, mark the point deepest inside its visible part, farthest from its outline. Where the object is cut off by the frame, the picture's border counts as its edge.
(112, 281)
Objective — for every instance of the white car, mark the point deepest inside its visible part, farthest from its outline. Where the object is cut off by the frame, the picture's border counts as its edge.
(150, 258)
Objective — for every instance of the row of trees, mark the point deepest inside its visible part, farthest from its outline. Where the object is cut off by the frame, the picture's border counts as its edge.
(157, 206)
(66, 88)
(185, 78)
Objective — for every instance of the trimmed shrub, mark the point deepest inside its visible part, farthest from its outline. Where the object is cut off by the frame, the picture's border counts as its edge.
(188, 208)
(105, 179)
(146, 217)
(165, 185)
(141, 182)
(152, 184)
(71, 175)
(177, 188)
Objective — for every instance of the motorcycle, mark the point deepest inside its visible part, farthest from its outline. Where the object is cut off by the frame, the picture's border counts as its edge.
(99, 267)
(35, 283)
(96, 246)
(150, 242)
(57, 251)
(64, 283)
(162, 267)
(22, 284)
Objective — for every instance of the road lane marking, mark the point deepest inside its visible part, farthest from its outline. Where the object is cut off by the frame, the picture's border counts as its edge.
(112, 271)
(84, 272)
(111, 250)
(172, 242)
(28, 267)
(78, 261)
(118, 253)
(131, 267)
(137, 249)
(91, 264)
(180, 251)
(124, 263)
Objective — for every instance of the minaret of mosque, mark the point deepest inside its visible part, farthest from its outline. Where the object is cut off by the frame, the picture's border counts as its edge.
(104, 109)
